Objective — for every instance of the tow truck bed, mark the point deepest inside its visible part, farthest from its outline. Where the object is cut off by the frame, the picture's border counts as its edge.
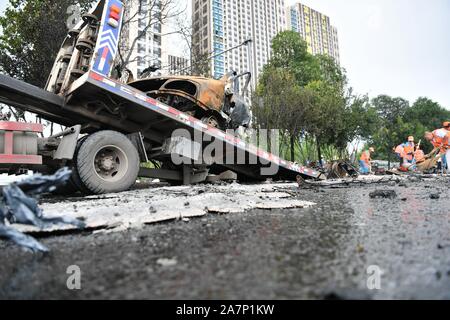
(107, 104)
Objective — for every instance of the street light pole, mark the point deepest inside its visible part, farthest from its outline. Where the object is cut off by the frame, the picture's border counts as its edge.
(245, 43)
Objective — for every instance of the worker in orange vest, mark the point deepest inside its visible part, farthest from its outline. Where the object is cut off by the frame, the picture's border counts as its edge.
(364, 161)
(447, 153)
(405, 152)
(440, 139)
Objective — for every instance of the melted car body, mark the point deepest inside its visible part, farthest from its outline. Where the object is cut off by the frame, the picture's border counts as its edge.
(216, 102)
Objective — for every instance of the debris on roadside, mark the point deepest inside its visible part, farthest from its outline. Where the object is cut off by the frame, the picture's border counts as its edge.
(341, 169)
(19, 205)
(158, 204)
(167, 262)
(345, 183)
(390, 194)
(227, 176)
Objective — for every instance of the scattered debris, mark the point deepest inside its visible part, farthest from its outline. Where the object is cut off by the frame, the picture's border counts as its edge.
(341, 169)
(228, 176)
(167, 262)
(345, 183)
(391, 194)
(19, 205)
(301, 182)
(161, 204)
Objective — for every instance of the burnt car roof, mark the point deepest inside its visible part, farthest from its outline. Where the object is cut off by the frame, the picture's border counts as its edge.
(191, 78)
(209, 95)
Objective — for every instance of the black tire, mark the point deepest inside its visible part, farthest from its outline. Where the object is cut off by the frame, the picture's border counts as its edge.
(68, 189)
(74, 185)
(75, 179)
(106, 162)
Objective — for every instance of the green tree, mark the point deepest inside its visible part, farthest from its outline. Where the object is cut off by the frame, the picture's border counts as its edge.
(396, 120)
(390, 132)
(427, 113)
(320, 108)
(289, 51)
(32, 33)
(280, 106)
(325, 119)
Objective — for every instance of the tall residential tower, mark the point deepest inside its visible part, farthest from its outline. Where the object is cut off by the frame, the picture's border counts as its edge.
(221, 25)
(315, 28)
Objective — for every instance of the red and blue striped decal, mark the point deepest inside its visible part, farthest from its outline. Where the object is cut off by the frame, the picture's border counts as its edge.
(108, 38)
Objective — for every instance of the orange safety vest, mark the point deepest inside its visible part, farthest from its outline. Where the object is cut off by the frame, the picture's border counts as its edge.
(406, 150)
(441, 140)
(399, 150)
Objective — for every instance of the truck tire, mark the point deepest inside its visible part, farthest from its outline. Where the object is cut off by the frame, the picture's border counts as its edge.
(68, 189)
(74, 185)
(106, 162)
(75, 179)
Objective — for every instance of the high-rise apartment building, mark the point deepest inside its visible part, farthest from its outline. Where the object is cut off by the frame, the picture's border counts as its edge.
(146, 51)
(315, 28)
(224, 25)
(175, 65)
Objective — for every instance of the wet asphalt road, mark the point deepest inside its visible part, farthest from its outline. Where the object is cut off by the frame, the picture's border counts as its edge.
(316, 253)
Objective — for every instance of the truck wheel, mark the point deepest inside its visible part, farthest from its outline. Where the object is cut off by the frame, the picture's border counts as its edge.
(107, 162)
(74, 185)
(75, 178)
(68, 189)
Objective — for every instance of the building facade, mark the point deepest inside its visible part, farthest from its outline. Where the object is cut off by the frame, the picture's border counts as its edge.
(146, 50)
(175, 65)
(315, 28)
(225, 26)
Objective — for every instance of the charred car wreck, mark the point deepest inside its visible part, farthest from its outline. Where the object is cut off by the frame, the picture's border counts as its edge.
(218, 103)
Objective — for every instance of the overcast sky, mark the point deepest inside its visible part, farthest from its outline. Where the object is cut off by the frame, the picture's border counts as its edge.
(395, 47)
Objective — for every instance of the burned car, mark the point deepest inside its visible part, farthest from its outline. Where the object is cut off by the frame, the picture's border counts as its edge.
(218, 103)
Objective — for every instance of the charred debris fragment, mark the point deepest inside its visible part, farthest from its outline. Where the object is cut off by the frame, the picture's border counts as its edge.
(19, 205)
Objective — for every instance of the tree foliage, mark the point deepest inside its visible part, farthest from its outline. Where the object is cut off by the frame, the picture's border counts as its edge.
(149, 16)
(307, 96)
(396, 120)
(274, 101)
(32, 33)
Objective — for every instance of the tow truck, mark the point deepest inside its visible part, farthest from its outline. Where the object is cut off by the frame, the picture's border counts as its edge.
(112, 127)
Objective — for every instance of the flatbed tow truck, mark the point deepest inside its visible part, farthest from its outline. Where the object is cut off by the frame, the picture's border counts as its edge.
(112, 127)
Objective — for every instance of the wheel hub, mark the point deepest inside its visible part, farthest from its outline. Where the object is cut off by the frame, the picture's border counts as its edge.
(107, 163)
(110, 163)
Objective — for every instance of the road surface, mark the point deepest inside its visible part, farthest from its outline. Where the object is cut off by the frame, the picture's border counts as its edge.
(321, 252)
